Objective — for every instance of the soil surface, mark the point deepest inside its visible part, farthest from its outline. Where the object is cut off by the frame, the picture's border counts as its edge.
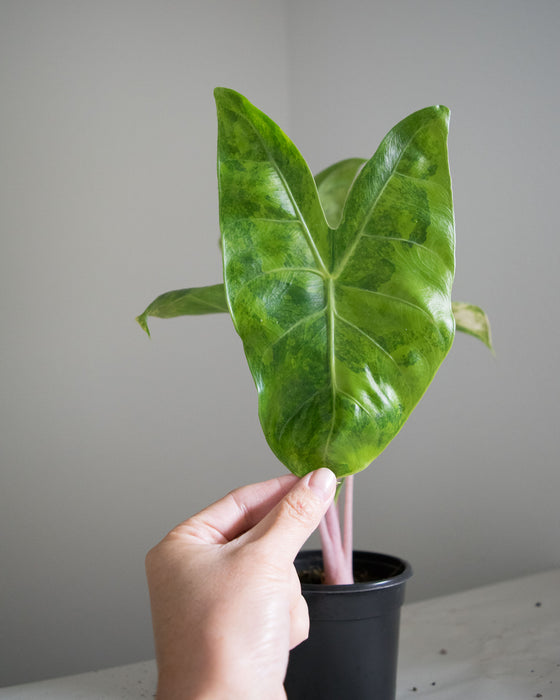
(317, 575)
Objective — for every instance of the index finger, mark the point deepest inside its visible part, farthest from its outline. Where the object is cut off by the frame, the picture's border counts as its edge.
(237, 512)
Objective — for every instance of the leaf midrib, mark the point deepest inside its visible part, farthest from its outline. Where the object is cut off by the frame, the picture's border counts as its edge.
(322, 268)
(358, 237)
(287, 188)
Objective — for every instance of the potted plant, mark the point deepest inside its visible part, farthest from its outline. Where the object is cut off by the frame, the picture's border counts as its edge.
(340, 289)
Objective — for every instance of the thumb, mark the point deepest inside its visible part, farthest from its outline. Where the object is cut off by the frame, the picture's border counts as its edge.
(288, 525)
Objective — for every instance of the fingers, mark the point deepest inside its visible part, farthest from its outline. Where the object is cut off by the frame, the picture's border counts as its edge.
(285, 529)
(285, 509)
(237, 512)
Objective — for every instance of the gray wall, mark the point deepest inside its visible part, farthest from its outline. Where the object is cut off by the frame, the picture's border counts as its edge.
(108, 197)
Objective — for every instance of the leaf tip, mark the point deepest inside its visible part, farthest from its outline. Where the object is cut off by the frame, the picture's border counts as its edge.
(444, 113)
(473, 320)
(223, 95)
(143, 323)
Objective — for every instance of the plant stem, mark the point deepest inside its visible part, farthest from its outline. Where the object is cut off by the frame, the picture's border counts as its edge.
(349, 522)
(337, 553)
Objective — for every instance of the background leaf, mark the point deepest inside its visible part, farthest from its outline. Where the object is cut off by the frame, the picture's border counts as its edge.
(343, 330)
(185, 302)
(333, 185)
(473, 320)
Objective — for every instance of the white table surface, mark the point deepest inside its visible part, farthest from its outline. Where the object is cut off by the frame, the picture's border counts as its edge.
(502, 642)
(498, 642)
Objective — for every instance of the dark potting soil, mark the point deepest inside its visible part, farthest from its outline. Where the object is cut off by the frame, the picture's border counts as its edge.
(317, 575)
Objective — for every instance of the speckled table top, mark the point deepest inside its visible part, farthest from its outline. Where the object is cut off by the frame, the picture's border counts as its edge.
(498, 642)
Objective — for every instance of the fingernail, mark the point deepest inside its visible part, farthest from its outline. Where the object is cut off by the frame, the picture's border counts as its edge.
(322, 482)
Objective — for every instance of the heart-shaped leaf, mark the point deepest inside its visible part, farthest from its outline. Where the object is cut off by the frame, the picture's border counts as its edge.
(343, 330)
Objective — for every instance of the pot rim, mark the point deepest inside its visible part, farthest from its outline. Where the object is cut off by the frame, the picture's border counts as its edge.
(403, 571)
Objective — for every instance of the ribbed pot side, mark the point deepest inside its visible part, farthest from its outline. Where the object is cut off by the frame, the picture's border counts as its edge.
(352, 649)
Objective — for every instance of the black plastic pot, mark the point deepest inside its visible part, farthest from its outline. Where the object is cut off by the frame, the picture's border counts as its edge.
(351, 652)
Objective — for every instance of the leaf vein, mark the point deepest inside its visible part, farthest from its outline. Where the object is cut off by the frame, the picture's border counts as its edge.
(401, 240)
(288, 330)
(368, 337)
(274, 271)
(332, 361)
(275, 221)
(294, 414)
(204, 302)
(395, 299)
(358, 403)
(288, 190)
(367, 216)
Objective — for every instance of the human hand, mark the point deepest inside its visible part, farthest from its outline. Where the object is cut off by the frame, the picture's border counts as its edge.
(226, 599)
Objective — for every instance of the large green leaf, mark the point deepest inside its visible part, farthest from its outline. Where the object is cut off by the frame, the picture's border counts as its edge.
(343, 330)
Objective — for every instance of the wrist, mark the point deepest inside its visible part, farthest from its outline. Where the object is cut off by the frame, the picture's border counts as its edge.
(178, 687)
